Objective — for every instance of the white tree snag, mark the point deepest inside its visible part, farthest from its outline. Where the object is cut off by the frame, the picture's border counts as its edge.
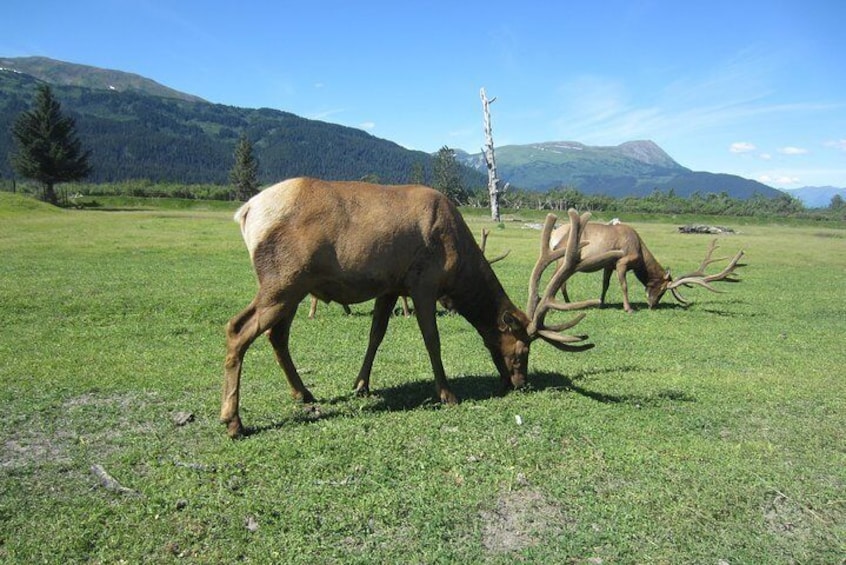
(493, 182)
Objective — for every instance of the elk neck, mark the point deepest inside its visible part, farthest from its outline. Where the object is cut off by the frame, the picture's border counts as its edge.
(648, 270)
(479, 297)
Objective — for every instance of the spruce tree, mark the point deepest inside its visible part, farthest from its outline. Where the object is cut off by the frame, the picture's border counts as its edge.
(447, 175)
(48, 149)
(244, 175)
(418, 173)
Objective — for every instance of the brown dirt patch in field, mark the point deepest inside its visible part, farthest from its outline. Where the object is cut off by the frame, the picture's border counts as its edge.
(784, 516)
(89, 421)
(521, 519)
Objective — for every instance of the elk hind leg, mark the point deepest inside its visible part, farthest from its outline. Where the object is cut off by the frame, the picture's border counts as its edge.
(606, 282)
(241, 331)
(279, 338)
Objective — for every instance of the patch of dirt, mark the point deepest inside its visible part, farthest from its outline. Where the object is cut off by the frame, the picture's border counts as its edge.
(26, 451)
(785, 517)
(521, 519)
(89, 421)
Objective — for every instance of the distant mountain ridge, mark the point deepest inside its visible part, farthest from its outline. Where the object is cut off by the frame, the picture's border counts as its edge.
(634, 168)
(140, 129)
(816, 196)
(71, 74)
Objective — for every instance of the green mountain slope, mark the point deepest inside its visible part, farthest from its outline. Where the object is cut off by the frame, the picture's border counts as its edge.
(137, 131)
(70, 74)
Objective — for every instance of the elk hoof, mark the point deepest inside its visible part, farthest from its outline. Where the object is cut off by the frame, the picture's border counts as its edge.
(234, 429)
(447, 397)
(361, 389)
(303, 396)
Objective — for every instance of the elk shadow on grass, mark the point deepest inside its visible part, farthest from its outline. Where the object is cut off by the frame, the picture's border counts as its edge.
(709, 307)
(420, 394)
(721, 309)
(553, 381)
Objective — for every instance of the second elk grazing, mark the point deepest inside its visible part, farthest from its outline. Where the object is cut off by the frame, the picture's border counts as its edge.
(349, 242)
(636, 257)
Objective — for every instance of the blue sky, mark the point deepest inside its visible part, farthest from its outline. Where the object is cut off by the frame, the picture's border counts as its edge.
(754, 88)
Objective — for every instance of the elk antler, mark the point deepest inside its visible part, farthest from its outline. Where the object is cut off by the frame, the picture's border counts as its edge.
(485, 234)
(699, 277)
(538, 306)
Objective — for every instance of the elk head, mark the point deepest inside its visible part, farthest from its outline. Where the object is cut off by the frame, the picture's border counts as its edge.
(515, 330)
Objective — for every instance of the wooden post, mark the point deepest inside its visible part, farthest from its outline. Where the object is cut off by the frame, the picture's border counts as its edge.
(488, 151)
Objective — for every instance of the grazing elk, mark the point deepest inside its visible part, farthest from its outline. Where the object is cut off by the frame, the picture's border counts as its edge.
(349, 242)
(636, 257)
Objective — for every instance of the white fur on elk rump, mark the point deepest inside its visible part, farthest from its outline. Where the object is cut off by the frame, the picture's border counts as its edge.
(348, 242)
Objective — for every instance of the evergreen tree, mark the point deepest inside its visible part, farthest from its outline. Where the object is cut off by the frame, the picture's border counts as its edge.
(244, 174)
(49, 150)
(418, 175)
(447, 175)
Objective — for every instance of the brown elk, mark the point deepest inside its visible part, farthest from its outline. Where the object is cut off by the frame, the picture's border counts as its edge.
(349, 242)
(636, 257)
(406, 310)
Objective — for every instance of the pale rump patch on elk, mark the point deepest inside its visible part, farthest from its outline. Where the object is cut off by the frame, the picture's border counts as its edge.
(348, 242)
(266, 209)
(637, 257)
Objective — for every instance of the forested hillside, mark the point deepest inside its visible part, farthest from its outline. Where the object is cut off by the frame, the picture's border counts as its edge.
(135, 135)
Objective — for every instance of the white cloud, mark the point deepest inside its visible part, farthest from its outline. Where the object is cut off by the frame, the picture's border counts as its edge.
(778, 179)
(765, 156)
(367, 126)
(742, 147)
(325, 114)
(793, 151)
(838, 144)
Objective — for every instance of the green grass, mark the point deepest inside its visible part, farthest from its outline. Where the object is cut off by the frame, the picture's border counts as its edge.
(686, 436)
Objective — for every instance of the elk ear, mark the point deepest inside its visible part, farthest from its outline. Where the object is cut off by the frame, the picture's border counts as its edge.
(510, 322)
(667, 276)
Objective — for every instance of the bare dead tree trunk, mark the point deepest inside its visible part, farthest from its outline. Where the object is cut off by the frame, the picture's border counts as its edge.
(493, 182)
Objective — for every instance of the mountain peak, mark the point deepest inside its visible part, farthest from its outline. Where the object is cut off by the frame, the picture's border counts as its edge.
(648, 152)
(633, 168)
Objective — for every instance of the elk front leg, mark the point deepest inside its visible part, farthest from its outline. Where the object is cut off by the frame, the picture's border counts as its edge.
(382, 310)
(622, 267)
(424, 309)
(279, 336)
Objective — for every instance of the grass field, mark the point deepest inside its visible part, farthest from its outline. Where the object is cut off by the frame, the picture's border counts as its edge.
(713, 434)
